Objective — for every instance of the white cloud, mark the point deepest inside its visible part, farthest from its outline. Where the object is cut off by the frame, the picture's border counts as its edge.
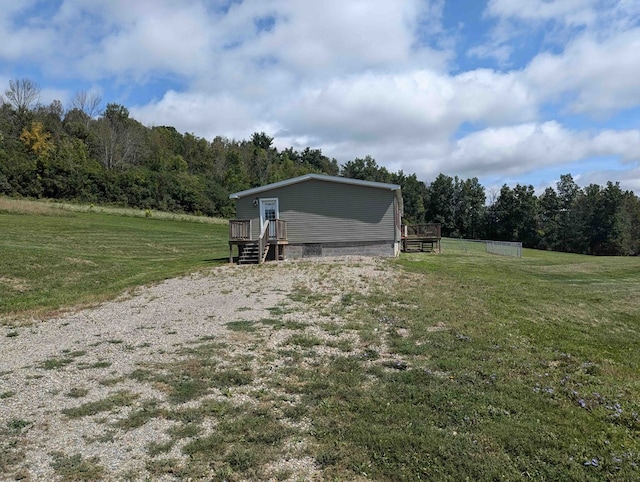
(628, 179)
(625, 144)
(569, 12)
(206, 115)
(152, 40)
(515, 149)
(48, 95)
(598, 76)
(594, 15)
(307, 39)
(496, 50)
(524, 148)
(355, 78)
(336, 37)
(518, 22)
(590, 52)
(22, 41)
(421, 106)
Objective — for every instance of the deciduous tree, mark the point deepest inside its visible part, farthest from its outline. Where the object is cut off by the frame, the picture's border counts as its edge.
(23, 94)
(88, 103)
(38, 140)
(119, 140)
(366, 169)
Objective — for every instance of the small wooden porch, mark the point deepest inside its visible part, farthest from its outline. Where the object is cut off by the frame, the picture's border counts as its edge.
(421, 237)
(270, 243)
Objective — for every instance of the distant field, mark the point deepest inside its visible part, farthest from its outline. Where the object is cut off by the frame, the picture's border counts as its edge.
(25, 206)
(55, 256)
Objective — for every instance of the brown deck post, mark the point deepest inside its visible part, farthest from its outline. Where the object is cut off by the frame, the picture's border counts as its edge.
(230, 253)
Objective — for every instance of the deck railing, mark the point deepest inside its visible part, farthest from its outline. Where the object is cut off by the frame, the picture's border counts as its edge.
(262, 242)
(421, 237)
(239, 229)
(278, 230)
(431, 230)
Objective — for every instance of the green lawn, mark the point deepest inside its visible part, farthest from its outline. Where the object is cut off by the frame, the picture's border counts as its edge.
(501, 369)
(534, 372)
(53, 259)
(469, 367)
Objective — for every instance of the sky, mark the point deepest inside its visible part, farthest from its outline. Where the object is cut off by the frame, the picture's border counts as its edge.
(509, 91)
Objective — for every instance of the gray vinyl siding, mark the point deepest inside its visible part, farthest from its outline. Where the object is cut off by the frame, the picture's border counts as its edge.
(246, 210)
(324, 212)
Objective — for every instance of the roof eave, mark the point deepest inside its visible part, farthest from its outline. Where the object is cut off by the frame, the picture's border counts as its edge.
(319, 177)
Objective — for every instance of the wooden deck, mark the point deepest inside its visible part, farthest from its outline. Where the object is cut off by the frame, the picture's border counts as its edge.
(271, 240)
(421, 237)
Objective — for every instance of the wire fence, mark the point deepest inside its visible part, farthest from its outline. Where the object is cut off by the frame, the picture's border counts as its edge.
(505, 248)
(502, 248)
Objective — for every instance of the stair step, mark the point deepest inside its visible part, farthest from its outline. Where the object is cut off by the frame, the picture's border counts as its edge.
(251, 254)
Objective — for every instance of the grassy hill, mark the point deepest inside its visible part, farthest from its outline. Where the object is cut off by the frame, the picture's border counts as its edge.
(61, 256)
(493, 368)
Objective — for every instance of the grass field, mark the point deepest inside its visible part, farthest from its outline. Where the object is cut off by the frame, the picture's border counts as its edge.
(56, 256)
(535, 373)
(470, 367)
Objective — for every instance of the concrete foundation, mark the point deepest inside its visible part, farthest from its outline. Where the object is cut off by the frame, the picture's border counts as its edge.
(361, 248)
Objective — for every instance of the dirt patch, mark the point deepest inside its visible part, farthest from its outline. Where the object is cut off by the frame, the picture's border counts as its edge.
(15, 284)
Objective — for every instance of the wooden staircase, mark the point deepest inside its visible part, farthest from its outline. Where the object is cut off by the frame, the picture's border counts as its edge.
(251, 254)
(255, 251)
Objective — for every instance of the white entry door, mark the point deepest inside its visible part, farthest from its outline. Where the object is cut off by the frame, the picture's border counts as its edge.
(269, 211)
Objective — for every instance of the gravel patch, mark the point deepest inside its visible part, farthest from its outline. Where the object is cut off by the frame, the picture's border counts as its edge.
(88, 356)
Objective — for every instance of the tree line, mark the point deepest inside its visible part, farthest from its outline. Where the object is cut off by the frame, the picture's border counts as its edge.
(84, 152)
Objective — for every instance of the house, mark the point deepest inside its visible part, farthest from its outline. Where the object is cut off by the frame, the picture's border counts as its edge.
(316, 215)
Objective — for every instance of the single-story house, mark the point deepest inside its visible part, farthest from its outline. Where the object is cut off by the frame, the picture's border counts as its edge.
(317, 215)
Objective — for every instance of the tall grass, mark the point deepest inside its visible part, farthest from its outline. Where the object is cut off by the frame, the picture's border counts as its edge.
(44, 207)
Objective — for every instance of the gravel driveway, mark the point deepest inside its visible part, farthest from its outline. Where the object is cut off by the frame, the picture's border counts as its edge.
(60, 364)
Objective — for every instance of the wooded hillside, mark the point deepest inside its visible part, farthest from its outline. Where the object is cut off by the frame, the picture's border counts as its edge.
(89, 154)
